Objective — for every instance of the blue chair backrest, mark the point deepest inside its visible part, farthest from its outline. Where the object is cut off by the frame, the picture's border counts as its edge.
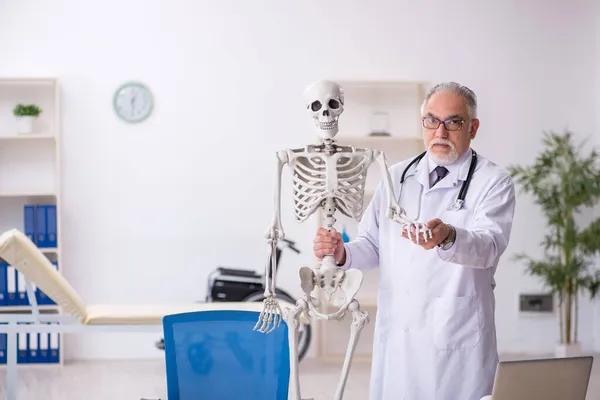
(216, 355)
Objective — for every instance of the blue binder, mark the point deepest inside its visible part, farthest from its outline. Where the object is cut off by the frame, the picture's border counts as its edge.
(29, 221)
(3, 340)
(11, 285)
(22, 348)
(41, 297)
(40, 226)
(51, 226)
(33, 339)
(54, 346)
(3, 291)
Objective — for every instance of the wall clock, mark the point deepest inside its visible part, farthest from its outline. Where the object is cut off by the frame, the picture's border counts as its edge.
(133, 102)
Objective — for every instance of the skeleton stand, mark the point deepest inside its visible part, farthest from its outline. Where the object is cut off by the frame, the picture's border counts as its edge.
(331, 177)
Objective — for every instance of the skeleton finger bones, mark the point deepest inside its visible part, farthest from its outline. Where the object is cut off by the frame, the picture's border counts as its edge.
(419, 229)
(397, 214)
(270, 316)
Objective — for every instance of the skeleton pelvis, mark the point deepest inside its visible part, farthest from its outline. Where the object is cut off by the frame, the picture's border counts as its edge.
(338, 286)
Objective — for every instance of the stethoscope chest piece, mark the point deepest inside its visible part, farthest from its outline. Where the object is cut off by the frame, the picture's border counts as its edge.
(458, 205)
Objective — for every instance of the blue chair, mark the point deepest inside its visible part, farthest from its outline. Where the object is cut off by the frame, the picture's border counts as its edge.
(216, 355)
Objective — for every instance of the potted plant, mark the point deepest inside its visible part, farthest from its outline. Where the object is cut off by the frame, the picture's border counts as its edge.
(25, 114)
(563, 182)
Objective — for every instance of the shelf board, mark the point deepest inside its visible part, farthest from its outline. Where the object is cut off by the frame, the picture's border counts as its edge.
(29, 136)
(28, 81)
(35, 365)
(9, 309)
(29, 194)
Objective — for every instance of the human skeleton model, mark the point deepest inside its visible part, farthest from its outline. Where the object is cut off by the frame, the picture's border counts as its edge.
(330, 177)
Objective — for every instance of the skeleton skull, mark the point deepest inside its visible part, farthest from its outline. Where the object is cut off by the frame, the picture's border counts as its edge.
(325, 103)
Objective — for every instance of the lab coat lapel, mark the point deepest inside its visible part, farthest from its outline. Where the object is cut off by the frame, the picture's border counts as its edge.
(455, 174)
(422, 173)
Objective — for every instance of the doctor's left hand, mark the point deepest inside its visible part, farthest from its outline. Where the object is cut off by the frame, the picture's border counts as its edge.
(439, 230)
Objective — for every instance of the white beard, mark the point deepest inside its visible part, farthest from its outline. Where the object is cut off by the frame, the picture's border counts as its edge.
(446, 159)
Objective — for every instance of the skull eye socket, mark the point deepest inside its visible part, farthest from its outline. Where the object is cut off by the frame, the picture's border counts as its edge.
(334, 104)
(316, 105)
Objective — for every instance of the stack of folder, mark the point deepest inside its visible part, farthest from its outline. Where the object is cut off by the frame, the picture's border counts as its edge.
(41, 227)
(33, 348)
(13, 291)
(40, 224)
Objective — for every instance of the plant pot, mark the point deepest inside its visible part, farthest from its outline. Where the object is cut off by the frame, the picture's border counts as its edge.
(25, 124)
(568, 350)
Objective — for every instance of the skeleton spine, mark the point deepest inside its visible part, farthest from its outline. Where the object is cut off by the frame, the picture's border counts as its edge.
(329, 205)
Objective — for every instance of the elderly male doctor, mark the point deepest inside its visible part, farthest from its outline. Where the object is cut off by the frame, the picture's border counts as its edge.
(435, 336)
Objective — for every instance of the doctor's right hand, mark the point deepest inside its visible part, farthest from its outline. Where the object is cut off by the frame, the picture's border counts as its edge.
(327, 243)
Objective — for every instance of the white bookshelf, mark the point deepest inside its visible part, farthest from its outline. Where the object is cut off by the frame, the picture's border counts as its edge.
(371, 106)
(30, 168)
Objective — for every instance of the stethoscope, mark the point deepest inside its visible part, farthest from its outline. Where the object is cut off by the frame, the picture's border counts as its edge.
(460, 201)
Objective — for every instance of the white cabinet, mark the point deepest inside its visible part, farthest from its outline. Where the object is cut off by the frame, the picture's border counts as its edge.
(30, 176)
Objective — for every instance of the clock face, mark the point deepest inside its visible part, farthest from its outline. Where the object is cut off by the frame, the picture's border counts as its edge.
(133, 102)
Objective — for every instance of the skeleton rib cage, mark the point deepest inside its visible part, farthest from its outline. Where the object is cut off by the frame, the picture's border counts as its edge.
(344, 182)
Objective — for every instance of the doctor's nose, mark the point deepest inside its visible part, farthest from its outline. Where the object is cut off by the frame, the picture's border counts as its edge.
(441, 132)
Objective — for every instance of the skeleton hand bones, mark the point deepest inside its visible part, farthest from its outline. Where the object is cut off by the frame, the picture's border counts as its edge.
(409, 227)
(440, 231)
(394, 211)
(270, 317)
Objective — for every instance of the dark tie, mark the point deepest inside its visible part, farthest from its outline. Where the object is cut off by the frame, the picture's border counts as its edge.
(441, 173)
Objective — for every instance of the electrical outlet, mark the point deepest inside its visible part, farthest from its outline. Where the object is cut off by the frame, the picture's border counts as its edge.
(542, 302)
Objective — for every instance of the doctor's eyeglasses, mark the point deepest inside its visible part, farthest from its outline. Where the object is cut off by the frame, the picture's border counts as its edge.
(450, 124)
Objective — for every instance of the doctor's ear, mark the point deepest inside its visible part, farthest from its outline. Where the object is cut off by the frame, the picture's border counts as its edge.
(474, 128)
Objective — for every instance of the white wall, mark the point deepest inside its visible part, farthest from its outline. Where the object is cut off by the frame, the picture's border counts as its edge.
(155, 207)
(597, 136)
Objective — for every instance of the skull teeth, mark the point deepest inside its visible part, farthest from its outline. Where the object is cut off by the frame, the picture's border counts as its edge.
(327, 125)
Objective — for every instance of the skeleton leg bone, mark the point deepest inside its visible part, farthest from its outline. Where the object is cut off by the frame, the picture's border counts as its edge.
(359, 320)
(292, 319)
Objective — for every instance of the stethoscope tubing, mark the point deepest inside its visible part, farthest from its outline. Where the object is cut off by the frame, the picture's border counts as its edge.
(465, 186)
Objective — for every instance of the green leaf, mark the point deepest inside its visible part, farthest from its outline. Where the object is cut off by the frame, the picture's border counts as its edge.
(589, 238)
(28, 110)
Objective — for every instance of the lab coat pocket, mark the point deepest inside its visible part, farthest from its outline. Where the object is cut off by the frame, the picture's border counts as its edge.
(460, 218)
(456, 322)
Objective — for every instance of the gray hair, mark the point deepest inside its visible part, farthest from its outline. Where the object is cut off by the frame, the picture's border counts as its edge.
(452, 87)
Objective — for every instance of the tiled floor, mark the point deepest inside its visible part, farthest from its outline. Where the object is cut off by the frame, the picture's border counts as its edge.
(133, 380)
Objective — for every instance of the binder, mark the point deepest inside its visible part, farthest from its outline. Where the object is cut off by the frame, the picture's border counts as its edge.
(41, 226)
(51, 226)
(41, 297)
(11, 286)
(33, 347)
(22, 344)
(54, 347)
(29, 221)
(22, 299)
(44, 354)
(3, 288)
(3, 342)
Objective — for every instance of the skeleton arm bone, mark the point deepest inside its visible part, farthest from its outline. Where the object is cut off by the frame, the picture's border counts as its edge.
(394, 211)
(271, 315)
(275, 231)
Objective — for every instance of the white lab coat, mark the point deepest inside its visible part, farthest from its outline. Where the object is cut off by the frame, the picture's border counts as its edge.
(435, 335)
